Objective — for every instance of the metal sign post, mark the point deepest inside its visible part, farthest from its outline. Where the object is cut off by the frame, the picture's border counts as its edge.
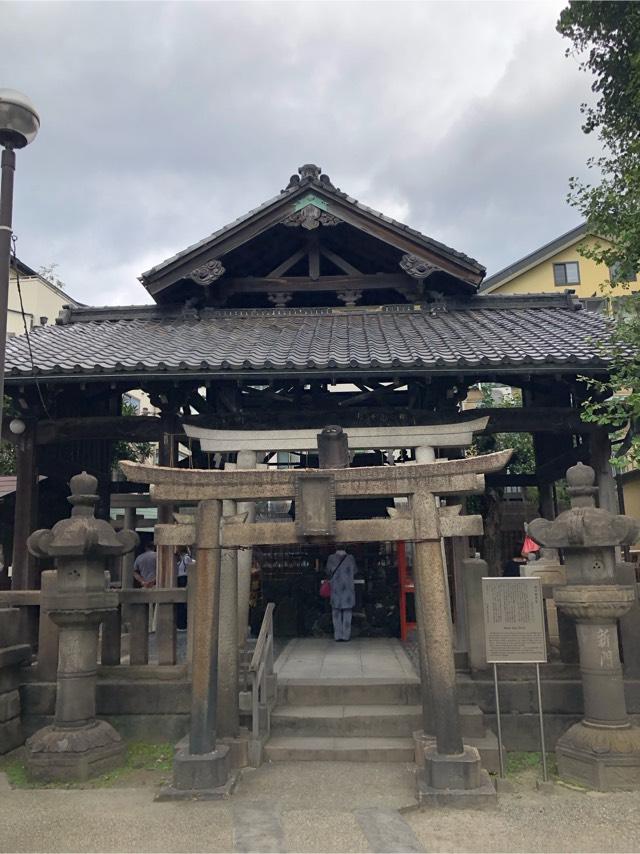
(514, 634)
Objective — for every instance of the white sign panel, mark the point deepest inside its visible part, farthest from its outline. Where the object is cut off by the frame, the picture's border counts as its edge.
(514, 620)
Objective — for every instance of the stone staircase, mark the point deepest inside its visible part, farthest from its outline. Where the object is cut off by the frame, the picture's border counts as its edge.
(365, 720)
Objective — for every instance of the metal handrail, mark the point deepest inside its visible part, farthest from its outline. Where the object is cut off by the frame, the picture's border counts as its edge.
(265, 629)
(260, 668)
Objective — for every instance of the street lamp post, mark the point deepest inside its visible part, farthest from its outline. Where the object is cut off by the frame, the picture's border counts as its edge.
(19, 125)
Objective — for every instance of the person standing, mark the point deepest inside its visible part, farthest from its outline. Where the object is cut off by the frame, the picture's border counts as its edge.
(341, 569)
(144, 567)
(183, 562)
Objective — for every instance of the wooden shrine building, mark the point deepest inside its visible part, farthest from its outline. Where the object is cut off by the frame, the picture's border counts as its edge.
(312, 309)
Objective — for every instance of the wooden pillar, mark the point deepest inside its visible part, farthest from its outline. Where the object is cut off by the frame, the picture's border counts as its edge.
(23, 575)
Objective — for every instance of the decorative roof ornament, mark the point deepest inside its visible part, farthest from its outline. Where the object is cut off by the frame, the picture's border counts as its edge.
(208, 272)
(310, 217)
(309, 173)
(417, 267)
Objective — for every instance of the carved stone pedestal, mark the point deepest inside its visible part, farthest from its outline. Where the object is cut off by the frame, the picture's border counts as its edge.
(66, 755)
(603, 750)
(457, 781)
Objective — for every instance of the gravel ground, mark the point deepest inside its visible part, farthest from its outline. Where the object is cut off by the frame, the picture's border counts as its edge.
(317, 806)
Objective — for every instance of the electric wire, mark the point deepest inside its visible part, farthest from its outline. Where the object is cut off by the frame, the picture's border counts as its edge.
(24, 323)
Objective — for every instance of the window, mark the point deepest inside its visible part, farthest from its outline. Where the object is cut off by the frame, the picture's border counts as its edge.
(617, 274)
(567, 273)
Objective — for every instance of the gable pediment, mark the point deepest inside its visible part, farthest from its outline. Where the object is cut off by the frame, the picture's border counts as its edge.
(308, 234)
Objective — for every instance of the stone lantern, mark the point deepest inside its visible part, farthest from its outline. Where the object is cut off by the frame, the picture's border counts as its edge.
(603, 750)
(77, 746)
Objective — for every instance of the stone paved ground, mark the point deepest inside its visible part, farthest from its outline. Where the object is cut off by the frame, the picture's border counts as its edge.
(316, 806)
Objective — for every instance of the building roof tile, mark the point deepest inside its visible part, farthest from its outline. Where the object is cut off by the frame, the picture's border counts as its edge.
(482, 333)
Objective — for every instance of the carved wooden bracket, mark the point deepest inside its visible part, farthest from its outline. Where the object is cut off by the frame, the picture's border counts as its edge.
(417, 267)
(310, 217)
(280, 299)
(207, 273)
(350, 297)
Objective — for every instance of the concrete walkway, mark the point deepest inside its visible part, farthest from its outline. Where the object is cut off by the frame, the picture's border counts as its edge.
(322, 807)
(362, 659)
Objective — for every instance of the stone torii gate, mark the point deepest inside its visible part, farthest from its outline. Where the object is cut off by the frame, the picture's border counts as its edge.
(452, 772)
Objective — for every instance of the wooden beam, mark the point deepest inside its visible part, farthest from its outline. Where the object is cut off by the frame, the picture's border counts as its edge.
(360, 281)
(288, 264)
(133, 428)
(314, 257)
(339, 261)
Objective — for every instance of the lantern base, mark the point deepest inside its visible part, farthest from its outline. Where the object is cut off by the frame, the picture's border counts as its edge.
(55, 754)
(605, 759)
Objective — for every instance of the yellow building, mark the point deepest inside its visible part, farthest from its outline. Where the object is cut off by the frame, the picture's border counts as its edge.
(557, 266)
(41, 300)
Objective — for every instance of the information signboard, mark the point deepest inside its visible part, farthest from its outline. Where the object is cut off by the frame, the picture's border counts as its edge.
(514, 620)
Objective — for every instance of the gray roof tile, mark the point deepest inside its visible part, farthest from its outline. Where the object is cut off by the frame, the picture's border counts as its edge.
(486, 332)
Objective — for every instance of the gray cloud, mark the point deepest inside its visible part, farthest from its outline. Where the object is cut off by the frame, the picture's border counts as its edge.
(163, 121)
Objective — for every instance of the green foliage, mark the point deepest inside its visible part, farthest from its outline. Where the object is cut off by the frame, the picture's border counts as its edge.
(137, 452)
(519, 761)
(141, 756)
(7, 458)
(607, 37)
(523, 459)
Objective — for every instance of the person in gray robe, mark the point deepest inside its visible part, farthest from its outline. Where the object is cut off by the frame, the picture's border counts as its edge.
(341, 569)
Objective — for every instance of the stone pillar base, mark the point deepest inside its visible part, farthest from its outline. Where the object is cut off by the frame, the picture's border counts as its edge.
(238, 749)
(456, 780)
(600, 758)
(62, 755)
(203, 776)
(422, 740)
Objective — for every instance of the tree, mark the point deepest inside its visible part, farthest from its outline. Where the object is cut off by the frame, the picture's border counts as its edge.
(489, 504)
(137, 452)
(607, 37)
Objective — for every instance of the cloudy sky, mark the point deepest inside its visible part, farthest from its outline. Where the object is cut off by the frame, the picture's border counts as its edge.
(163, 121)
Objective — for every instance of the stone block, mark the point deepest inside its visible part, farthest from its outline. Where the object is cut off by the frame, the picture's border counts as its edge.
(238, 750)
(9, 705)
(201, 773)
(66, 755)
(458, 771)
(484, 796)
(600, 758)
(11, 735)
(9, 626)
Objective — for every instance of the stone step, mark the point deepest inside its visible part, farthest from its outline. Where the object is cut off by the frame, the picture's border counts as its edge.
(364, 692)
(282, 748)
(325, 749)
(367, 720)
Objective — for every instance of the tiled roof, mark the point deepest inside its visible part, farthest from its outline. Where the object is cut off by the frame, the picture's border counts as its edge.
(485, 333)
(322, 184)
